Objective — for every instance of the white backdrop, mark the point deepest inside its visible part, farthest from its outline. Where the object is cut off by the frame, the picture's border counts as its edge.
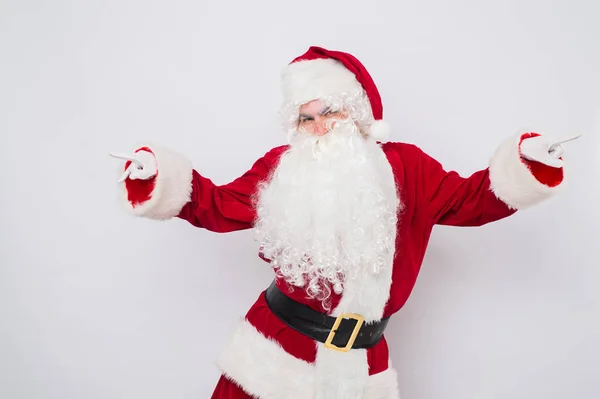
(96, 304)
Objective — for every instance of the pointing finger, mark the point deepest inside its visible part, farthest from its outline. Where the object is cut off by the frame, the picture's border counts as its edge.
(127, 157)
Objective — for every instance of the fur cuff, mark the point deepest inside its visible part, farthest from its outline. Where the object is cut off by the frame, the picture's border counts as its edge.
(264, 369)
(512, 180)
(172, 188)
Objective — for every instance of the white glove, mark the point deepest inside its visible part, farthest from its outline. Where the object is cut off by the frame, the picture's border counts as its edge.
(544, 149)
(143, 165)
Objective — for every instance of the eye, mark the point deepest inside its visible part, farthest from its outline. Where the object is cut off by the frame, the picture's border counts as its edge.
(304, 119)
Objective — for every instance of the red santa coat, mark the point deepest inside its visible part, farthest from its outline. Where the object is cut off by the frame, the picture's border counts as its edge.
(270, 360)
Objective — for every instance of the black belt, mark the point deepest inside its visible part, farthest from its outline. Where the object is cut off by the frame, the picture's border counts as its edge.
(350, 332)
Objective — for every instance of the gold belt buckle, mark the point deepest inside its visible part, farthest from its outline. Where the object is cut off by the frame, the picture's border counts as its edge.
(359, 322)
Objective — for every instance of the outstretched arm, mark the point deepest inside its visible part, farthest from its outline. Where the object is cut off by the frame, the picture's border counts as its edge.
(177, 190)
(513, 181)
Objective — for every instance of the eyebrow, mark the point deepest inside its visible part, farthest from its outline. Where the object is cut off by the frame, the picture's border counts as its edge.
(322, 112)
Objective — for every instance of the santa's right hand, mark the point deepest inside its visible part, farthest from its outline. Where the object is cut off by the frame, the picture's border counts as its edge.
(141, 165)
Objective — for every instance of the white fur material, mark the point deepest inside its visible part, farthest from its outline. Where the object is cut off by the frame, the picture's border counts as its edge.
(341, 374)
(511, 180)
(311, 196)
(308, 80)
(263, 368)
(330, 209)
(368, 293)
(172, 190)
(345, 375)
(304, 81)
(383, 385)
(380, 130)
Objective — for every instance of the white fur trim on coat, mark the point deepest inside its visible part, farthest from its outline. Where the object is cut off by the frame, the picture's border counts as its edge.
(341, 374)
(511, 180)
(172, 189)
(308, 80)
(383, 385)
(264, 369)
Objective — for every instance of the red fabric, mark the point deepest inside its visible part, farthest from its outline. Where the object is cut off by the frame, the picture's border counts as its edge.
(430, 196)
(265, 321)
(139, 190)
(353, 65)
(300, 346)
(377, 357)
(229, 207)
(227, 389)
(545, 174)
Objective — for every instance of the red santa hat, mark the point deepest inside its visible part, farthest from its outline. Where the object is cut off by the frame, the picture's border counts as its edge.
(321, 73)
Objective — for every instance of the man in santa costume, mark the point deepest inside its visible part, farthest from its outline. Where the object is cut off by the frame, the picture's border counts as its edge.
(343, 218)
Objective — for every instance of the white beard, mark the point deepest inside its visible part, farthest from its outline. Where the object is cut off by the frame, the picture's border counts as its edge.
(329, 212)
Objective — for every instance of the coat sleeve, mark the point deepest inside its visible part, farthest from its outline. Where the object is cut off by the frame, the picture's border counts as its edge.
(508, 184)
(180, 191)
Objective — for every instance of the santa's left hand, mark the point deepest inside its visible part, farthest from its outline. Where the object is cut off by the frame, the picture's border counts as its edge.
(543, 149)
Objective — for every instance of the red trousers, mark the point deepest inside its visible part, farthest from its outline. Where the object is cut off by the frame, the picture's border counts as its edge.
(227, 389)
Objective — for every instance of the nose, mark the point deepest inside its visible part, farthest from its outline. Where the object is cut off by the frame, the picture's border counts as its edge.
(320, 128)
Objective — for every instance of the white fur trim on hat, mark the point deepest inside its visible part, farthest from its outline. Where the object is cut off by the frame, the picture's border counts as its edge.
(305, 81)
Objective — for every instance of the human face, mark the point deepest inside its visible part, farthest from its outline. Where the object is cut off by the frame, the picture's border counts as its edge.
(316, 118)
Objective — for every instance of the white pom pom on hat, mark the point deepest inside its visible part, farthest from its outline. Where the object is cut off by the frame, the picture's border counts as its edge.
(320, 73)
(380, 130)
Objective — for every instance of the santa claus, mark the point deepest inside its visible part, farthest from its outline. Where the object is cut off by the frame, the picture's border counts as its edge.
(343, 218)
